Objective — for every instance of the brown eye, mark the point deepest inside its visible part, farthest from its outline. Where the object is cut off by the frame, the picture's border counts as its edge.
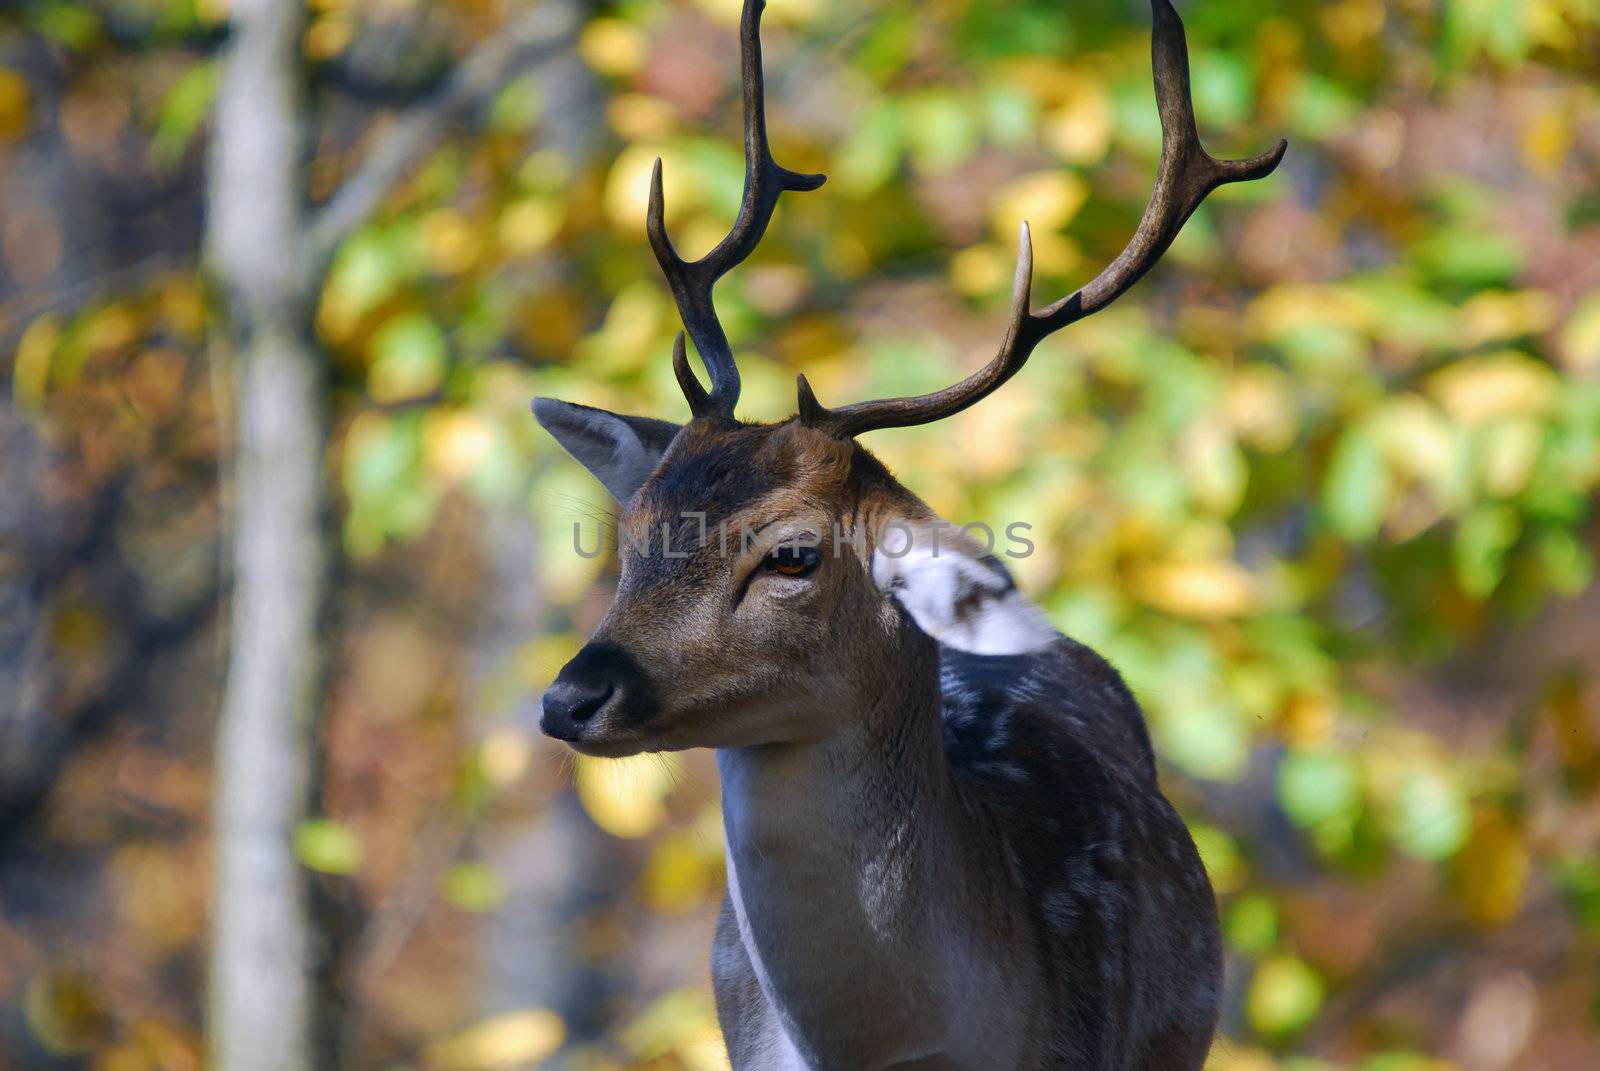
(792, 561)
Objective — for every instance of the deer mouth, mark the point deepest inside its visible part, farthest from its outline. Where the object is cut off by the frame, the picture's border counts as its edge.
(615, 748)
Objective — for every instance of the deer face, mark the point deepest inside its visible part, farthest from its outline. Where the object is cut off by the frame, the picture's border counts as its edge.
(767, 575)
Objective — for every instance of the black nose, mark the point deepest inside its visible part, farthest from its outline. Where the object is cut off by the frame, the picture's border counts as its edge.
(569, 706)
(601, 677)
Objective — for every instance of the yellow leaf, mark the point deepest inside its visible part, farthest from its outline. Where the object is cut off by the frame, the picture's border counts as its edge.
(1236, 1057)
(641, 117)
(1351, 23)
(1479, 389)
(456, 442)
(1416, 439)
(16, 104)
(1510, 450)
(993, 437)
(449, 244)
(627, 193)
(1080, 129)
(330, 35)
(626, 797)
(1047, 200)
(64, 1011)
(1547, 140)
(1290, 306)
(1493, 869)
(183, 305)
(112, 328)
(30, 375)
(1261, 409)
(1576, 734)
(681, 873)
(539, 660)
(515, 1039)
(981, 269)
(1502, 315)
(1225, 867)
(1215, 470)
(1284, 996)
(790, 12)
(631, 332)
(1203, 589)
(1579, 346)
(1310, 719)
(613, 46)
(505, 754)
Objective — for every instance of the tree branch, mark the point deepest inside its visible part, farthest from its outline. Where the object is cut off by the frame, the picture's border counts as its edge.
(544, 32)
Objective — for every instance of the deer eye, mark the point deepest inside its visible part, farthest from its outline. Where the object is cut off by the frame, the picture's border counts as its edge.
(789, 560)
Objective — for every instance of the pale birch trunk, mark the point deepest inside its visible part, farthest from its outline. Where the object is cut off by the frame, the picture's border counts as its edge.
(260, 1013)
(268, 253)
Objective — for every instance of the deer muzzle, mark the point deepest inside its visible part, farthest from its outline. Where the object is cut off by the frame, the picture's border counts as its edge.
(599, 702)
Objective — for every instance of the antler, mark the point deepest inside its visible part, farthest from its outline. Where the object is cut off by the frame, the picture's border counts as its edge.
(691, 283)
(1187, 174)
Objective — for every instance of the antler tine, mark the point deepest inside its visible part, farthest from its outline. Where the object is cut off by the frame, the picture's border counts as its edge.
(1185, 177)
(692, 282)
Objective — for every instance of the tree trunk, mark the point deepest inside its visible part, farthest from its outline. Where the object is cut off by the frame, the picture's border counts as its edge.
(262, 955)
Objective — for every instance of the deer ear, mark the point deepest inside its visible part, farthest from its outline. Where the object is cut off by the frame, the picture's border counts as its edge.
(957, 592)
(620, 451)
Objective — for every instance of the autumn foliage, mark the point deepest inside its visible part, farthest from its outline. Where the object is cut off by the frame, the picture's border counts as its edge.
(1323, 488)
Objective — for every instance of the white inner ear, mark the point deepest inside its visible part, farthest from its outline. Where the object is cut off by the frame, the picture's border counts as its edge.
(957, 594)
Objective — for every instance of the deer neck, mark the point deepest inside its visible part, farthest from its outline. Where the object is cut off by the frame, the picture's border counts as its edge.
(833, 848)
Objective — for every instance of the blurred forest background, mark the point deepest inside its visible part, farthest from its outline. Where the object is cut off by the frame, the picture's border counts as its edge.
(1323, 487)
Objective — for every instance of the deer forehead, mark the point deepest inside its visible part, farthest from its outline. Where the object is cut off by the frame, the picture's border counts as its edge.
(731, 475)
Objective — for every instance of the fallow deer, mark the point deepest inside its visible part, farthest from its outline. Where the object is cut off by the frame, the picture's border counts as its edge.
(946, 845)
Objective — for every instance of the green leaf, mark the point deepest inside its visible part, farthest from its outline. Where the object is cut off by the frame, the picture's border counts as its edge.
(408, 358)
(368, 268)
(1567, 564)
(888, 44)
(1470, 254)
(1357, 488)
(1206, 738)
(1496, 27)
(72, 25)
(1579, 882)
(1315, 786)
(1224, 91)
(381, 457)
(1011, 116)
(942, 129)
(473, 887)
(1482, 542)
(1320, 107)
(1220, 856)
(183, 110)
(870, 156)
(1251, 925)
(517, 107)
(1430, 820)
(327, 846)
(1284, 996)
(1398, 1060)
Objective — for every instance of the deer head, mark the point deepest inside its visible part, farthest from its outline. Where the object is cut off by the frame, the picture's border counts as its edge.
(775, 575)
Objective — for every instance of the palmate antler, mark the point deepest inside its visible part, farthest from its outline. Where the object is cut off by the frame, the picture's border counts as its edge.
(1186, 176)
(691, 283)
